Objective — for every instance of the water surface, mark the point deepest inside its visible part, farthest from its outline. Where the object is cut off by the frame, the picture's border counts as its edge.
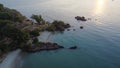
(98, 43)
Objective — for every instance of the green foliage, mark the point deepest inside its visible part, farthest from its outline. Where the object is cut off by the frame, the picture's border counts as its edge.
(34, 33)
(58, 23)
(14, 33)
(40, 44)
(26, 47)
(16, 36)
(4, 47)
(10, 14)
(56, 26)
(4, 23)
(5, 16)
(35, 40)
(38, 19)
(51, 28)
(1, 7)
(10, 36)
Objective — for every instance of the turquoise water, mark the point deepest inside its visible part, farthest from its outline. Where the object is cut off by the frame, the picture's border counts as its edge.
(98, 43)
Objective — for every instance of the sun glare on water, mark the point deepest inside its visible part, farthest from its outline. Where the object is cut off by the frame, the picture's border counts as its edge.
(99, 9)
(100, 5)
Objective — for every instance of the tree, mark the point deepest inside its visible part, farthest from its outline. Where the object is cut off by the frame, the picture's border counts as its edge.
(34, 33)
(17, 37)
(38, 19)
(1, 7)
(35, 40)
(10, 14)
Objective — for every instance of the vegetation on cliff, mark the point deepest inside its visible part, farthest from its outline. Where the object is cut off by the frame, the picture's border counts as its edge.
(14, 33)
(10, 14)
(57, 26)
(11, 37)
(38, 19)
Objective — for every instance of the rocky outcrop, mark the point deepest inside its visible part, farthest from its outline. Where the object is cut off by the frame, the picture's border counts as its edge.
(80, 18)
(73, 47)
(81, 27)
(45, 46)
(67, 26)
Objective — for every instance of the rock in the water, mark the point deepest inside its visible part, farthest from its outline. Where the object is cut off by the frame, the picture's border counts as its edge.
(73, 47)
(73, 29)
(68, 29)
(67, 26)
(80, 18)
(81, 27)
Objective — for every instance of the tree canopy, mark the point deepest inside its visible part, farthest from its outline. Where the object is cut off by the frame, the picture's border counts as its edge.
(10, 36)
(10, 14)
(38, 19)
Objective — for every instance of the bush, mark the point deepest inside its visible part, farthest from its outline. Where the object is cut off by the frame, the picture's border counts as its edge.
(12, 37)
(1, 7)
(51, 28)
(38, 19)
(34, 33)
(56, 26)
(10, 14)
(35, 40)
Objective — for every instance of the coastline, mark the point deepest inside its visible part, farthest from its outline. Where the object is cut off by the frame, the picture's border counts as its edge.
(3, 57)
(11, 59)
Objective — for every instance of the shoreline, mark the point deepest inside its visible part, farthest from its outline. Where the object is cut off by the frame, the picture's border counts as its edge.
(23, 34)
(3, 57)
(11, 59)
(46, 46)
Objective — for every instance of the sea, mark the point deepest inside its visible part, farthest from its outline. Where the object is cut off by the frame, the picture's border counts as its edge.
(98, 42)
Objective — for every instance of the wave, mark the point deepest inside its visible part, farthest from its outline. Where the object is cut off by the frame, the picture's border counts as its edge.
(11, 61)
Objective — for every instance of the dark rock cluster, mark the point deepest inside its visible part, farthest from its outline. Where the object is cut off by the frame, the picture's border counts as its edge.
(80, 18)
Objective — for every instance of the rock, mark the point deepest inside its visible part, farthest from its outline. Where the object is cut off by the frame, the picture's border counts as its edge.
(27, 20)
(81, 27)
(55, 44)
(73, 47)
(60, 28)
(61, 47)
(73, 29)
(80, 18)
(68, 29)
(67, 26)
(46, 46)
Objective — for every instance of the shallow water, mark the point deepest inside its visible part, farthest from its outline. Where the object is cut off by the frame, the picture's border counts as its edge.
(98, 43)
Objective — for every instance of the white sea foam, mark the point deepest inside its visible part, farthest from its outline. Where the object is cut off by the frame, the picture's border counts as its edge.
(11, 60)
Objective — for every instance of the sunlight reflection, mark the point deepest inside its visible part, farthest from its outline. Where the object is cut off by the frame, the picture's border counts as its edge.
(99, 6)
(98, 22)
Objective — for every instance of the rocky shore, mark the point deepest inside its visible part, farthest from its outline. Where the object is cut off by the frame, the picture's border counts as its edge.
(44, 47)
(3, 57)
